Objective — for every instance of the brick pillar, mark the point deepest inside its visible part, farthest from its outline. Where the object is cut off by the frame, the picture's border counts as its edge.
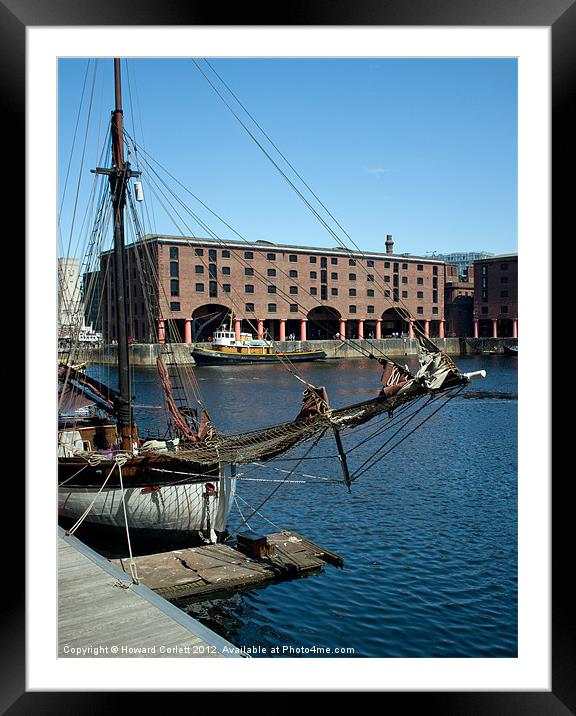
(441, 329)
(303, 323)
(161, 332)
(260, 328)
(282, 329)
(514, 328)
(475, 328)
(237, 328)
(342, 328)
(361, 328)
(187, 330)
(494, 328)
(411, 329)
(427, 328)
(378, 329)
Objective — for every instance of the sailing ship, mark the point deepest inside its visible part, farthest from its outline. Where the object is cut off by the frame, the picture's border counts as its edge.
(229, 348)
(183, 482)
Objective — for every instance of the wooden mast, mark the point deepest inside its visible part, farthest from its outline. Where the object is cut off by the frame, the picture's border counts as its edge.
(118, 178)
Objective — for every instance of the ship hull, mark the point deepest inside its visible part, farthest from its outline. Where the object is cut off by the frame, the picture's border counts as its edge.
(204, 356)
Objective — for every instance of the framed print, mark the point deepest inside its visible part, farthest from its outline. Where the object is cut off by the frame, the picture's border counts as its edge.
(36, 679)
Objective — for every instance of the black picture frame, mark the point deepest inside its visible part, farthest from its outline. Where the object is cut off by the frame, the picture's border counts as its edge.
(560, 15)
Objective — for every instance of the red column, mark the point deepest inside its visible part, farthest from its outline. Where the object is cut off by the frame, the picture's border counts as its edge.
(342, 328)
(237, 328)
(514, 328)
(303, 323)
(161, 333)
(475, 328)
(361, 328)
(378, 329)
(494, 328)
(411, 329)
(187, 330)
(427, 328)
(282, 329)
(260, 328)
(441, 330)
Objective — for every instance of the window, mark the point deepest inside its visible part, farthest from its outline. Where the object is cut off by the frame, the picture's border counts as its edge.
(434, 296)
(351, 309)
(351, 291)
(370, 263)
(199, 288)
(225, 254)
(174, 287)
(395, 267)
(174, 305)
(323, 276)
(213, 289)
(334, 291)
(313, 274)
(334, 261)
(504, 279)
(271, 272)
(249, 307)
(435, 270)
(420, 309)
(503, 294)
(324, 293)
(504, 267)
(313, 259)
(226, 270)
(484, 309)
(484, 270)
(293, 289)
(352, 276)
(248, 254)
(293, 308)
(212, 270)
(387, 293)
(212, 254)
(351, 262)
(386, 279)
(420, 281)
(404, 294)
(198, 268)
(199, 252)
(313, 291)
(420, 267)
(387, 264)
(404, 267)
(248, 272)
(435, 310)
(271, 289)
(248, 288)
(334, 276)
(174, 253)
(404, 279)
(323, 262)
(435, 282)
(370, 309)
(293, 274)
(370, 292)
(503, 309)
(174, 269)
(395, 294)
(419, 294)
(292, 258)
(226, 288)
(271, 257)
(370, 277)
(271, 308)
(484, 295)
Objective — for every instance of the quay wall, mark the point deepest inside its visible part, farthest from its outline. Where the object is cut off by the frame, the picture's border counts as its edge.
(145, 354)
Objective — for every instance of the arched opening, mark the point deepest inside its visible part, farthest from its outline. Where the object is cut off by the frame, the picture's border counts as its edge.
(206, 319)
(392, 324)
(323, 323)
(505, 328)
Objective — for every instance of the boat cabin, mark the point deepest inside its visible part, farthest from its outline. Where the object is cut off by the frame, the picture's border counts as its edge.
(224, 340)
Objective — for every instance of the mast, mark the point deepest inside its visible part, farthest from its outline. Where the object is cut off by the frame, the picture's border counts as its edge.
(118, 176)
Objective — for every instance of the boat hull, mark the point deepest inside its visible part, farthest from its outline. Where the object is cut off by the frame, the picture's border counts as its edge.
(161, 503)
(204, 356)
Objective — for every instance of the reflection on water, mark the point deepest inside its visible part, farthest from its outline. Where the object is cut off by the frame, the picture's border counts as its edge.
(428, 533)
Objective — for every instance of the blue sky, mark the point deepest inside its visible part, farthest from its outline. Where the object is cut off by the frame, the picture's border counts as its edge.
(423, 149)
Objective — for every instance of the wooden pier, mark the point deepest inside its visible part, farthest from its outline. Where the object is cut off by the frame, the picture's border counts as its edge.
(101, 613)
(217, 569)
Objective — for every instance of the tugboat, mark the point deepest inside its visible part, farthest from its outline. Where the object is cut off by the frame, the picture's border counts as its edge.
(226, 349)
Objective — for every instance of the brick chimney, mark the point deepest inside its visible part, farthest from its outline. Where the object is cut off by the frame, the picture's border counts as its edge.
(389, 244)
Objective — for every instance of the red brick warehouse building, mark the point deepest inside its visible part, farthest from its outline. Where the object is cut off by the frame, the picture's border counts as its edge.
(496, 297)
(275, 289)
